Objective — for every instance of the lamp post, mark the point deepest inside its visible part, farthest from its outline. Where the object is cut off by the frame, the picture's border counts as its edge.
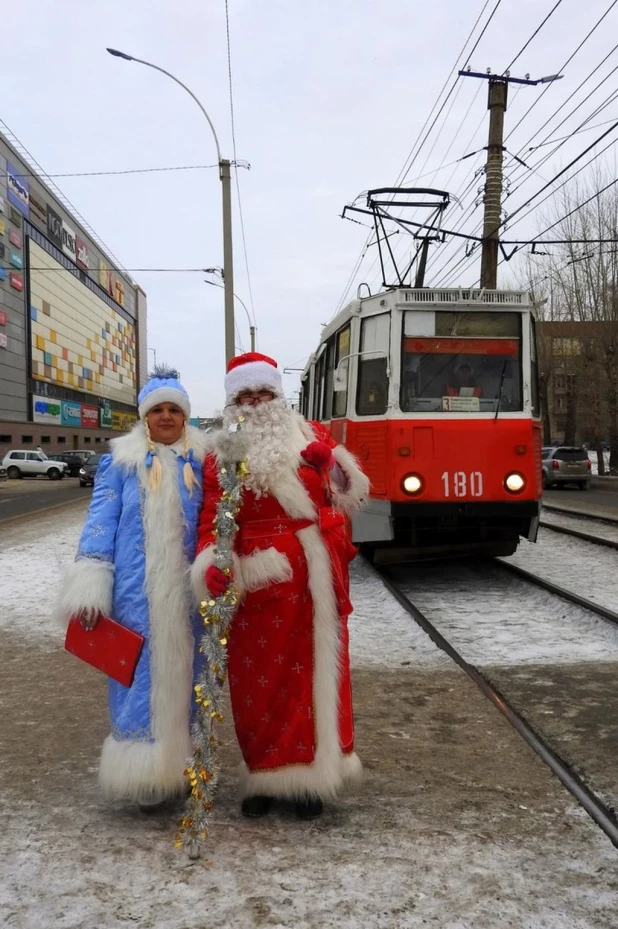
(154, 355)
(226, 190)
(252, 328)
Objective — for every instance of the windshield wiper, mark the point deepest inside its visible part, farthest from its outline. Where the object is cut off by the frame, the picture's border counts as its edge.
(500, 386)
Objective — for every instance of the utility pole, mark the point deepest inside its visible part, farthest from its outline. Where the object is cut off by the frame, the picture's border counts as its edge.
(228, 262)
(496, 104)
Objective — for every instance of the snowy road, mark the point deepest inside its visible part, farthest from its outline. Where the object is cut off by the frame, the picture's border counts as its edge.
(458, 824)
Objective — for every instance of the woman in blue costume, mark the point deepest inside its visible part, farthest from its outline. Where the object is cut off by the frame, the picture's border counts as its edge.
(132, 565)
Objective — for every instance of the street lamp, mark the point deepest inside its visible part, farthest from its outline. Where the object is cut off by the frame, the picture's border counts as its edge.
(154, 355)
(214, 284)
(226, 189)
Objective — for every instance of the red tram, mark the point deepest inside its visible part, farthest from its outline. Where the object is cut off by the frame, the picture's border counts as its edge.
(436, 392)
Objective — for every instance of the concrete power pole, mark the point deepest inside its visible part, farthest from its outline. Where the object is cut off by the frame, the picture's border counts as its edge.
(496, 104)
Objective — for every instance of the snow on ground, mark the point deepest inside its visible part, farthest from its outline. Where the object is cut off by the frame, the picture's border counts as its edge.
(382, 633)
(31, 575)
(588, 525)
(586, 569)
(493, 618)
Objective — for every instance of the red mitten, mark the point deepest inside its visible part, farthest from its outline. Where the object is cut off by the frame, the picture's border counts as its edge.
(318, 454)
(216, 581)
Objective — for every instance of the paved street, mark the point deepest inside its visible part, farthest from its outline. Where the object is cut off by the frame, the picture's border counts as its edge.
(31, 495)
(599, 500)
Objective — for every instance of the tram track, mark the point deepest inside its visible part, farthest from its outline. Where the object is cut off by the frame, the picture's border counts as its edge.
(577, 534)
(600, 812)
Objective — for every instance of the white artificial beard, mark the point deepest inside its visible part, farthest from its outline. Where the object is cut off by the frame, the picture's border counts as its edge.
(273, 441)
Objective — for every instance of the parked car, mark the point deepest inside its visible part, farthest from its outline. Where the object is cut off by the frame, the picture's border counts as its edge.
(3, 474)
(21, 463)
(84, 454)
(88, 471)
(73, 460)
(566, 464)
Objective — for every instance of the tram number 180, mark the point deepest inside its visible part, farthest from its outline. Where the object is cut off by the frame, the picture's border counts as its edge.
(461, 484)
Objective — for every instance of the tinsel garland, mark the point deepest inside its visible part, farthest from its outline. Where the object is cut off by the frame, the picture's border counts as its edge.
(217, 614)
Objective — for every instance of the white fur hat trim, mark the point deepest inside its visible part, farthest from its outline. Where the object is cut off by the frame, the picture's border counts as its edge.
(254, 375)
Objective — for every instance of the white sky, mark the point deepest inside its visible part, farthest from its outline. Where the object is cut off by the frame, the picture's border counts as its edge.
(329, 98)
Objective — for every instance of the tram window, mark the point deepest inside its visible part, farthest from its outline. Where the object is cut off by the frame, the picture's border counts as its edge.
(467, 373)
(327, 400)
(372, 393)
(318, 386)
(534, 371)
(342, 364)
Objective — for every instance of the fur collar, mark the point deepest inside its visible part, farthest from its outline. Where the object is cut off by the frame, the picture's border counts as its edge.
(130, 450)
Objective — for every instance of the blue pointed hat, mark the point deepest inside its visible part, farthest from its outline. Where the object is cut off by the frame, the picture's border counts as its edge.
(163, 387)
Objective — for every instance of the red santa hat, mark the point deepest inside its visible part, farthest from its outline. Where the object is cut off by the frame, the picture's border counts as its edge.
(251, 371)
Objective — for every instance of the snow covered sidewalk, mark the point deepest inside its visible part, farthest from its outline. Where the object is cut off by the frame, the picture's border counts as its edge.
(458, 825)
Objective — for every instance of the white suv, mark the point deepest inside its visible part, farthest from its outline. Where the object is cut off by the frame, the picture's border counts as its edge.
(20, 463)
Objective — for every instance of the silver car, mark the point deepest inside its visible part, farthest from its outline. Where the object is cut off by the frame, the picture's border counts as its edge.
(566, 464)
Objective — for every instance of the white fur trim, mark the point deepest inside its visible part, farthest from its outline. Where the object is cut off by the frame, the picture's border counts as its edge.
(130, 450)
(199, 567)
(165, 395)
(264, 567)
(86, 583)
(353, 496)
(330, 769)
(139, 771)
(132, 769)
(253, 375)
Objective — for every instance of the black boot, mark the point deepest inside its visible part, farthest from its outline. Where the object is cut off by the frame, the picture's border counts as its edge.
(256, 806)
(310, 808)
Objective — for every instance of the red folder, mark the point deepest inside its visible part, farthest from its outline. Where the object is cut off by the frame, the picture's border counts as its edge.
(109, 647)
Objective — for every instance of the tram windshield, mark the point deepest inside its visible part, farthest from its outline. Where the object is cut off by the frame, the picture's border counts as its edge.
(461, 362)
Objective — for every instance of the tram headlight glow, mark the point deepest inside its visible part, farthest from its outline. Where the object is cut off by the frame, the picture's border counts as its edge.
(514, 482)
(412, 484)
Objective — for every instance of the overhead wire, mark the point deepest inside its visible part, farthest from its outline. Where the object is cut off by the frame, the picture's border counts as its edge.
(240, 209)
(409, 161)
(534, 34)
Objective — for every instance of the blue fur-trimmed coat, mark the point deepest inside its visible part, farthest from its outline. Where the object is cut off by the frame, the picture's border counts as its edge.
(132, 564)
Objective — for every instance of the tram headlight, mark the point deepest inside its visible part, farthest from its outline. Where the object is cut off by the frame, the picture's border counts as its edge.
(412, 484)
(515, 482)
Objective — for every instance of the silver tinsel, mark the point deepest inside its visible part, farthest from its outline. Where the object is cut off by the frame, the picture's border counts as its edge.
(217, 614)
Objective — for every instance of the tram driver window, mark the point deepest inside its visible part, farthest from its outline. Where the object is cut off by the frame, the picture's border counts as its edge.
(372, 393)
(471, 363)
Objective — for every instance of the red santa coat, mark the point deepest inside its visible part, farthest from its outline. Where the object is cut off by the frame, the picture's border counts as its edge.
(288, 659)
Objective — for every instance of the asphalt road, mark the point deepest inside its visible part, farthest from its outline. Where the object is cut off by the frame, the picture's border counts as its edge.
(33, 495)
(599, 501)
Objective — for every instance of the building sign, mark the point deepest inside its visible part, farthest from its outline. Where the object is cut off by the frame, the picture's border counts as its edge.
(16, 281)
(3, 273)
(2, 205)
(106, 415)
(46, 411)
(16, 260)
(15, 217)
(82, 256)
(90, 417)
(2, 249)
(2, 227)
(18, 190)
(119, 295)
(38, 209)
(123, 422)
(3, 318)
(54, 227)
(71, 413)
(15, 238)
(3, 340)
(68, 241)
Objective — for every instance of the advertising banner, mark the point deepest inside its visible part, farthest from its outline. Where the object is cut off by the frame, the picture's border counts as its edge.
(106, 415)
(90, 417)
(46, 411)
(1, 204)
(18, 190)
(3, 340)
(68, 241)
(38, 210)
(54, 227)
(82, 257)
(16, 260)
(71, 413)
(3, 318)
(15, 238)
(16, 281)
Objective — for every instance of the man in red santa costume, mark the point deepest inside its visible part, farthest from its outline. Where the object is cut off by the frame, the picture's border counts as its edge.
(288, 659)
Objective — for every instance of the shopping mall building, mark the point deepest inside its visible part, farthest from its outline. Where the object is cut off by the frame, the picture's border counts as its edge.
(72, 322)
